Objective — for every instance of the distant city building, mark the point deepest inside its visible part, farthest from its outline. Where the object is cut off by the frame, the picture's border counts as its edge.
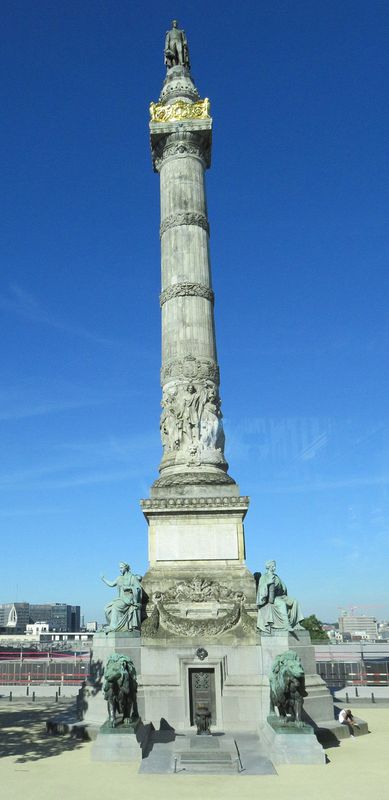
(353, 627)
(36, 628)
(92, 626)
(60, 616)
(14, 617)
(333, 634)
(383, 630)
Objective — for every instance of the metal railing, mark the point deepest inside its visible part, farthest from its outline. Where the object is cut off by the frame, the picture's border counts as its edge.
(25, 670)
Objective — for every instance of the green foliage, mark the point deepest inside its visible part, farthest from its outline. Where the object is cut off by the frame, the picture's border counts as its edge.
(315, 628)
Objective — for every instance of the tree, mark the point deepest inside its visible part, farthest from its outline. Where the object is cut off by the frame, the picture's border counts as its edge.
(315, 628)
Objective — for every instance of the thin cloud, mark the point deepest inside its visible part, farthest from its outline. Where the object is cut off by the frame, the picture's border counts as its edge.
(27, 306)
(321, 486)
(45, 478)
(32, 512)
(105, 461)
(41, 409)
(23, 402)
(309, 452)
(24, 477)
(115, 447)
(89, 479)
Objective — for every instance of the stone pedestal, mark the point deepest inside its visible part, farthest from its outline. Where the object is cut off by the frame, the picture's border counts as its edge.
(119, 744)
(290, 745)
(197, 535)
(241, 662)
(94, 706)
(165, 689)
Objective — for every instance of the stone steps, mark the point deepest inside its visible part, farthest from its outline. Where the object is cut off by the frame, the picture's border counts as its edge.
(218, 754)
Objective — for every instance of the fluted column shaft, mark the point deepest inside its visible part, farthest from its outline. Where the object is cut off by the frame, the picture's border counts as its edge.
(187, 297)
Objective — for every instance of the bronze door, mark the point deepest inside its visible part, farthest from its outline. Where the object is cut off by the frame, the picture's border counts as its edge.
(202, 691)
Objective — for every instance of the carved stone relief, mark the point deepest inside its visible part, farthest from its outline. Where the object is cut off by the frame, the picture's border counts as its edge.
(188, 144)
(191, 422)
(200, 590)
(160, 617)
(186, 626)
(186, 290)
(178, 149)
(192, 368)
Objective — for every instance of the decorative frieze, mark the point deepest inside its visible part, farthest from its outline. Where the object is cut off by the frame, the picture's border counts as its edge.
(186, 290)
(180, 110)
(182, 143)
(195, 369)
(184, 218)
(178, 149)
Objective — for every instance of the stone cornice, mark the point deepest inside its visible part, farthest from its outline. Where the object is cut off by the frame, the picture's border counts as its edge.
(184, 218)
(194, 503)
(186, 290)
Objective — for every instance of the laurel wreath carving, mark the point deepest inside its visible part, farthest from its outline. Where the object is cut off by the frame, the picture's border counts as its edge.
(186, 290)
(184, 218)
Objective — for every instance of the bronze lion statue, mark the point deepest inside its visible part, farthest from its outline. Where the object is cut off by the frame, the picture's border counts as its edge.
(120, 688)
(287, 687)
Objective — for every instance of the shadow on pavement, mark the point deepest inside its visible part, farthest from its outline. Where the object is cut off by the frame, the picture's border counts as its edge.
(23, 734)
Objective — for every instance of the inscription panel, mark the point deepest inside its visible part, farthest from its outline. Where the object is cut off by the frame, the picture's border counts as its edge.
(180, 542)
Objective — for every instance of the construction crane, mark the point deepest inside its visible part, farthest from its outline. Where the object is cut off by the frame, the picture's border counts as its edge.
(351, 609)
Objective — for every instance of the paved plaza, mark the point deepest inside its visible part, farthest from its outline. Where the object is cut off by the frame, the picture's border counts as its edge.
(35, 766)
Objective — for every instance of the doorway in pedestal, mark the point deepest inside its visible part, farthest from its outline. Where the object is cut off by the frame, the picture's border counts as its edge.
(202, 691)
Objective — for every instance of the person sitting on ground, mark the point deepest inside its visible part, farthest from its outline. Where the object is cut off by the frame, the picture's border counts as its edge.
(346, 718)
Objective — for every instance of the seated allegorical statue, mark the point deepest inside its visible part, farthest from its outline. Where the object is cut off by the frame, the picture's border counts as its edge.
(124, 613)
(276, 610)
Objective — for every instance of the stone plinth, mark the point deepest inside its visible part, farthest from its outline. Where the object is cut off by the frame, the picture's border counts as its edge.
(119, 744)
(287, 744)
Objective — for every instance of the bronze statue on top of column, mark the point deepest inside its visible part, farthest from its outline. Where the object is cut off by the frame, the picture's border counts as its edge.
(176, 50)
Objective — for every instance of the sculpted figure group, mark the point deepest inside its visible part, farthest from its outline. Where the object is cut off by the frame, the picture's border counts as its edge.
(276, 609)
(191, 418)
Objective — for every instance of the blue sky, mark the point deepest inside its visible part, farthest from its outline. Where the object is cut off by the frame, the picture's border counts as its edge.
(298, 202)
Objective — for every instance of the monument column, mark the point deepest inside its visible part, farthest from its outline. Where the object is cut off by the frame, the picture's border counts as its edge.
(195, 512)
(191, 420)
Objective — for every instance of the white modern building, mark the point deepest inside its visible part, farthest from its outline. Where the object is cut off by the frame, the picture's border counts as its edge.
(362, 627)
